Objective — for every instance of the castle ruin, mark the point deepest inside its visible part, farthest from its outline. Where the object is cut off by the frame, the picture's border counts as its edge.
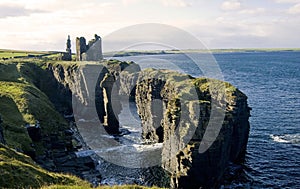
(89, 52)
(67, 56)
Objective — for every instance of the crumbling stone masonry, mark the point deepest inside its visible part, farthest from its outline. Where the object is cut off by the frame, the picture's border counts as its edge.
(89, 52)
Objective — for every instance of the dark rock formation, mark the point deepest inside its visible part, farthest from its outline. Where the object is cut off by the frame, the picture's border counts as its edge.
(111, 121)
(66, 82)
(91, 51)
(150, 107)
(171, 114)
(61, 82)
(35, 133)
(67, 56)
(61, 157)
(1, 132)
(112, 88)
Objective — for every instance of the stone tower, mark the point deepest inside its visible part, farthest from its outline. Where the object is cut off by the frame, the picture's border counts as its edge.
(80, 48)
(91, 51)
(69, 46)
(68, 54)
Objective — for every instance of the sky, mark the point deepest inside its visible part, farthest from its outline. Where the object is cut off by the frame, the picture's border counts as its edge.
(44, 25)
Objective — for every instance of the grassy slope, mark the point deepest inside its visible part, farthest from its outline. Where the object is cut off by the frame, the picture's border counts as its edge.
(21, 102)
(19, 171)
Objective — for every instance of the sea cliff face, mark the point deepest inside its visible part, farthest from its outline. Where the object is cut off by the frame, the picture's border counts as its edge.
(176, 110)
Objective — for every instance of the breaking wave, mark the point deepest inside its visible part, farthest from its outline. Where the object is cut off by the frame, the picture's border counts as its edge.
(287, 138)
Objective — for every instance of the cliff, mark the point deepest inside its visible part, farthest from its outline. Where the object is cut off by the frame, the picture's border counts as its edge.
(177, 110)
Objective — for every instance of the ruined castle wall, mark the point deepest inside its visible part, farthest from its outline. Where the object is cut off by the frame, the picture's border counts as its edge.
(89, 52)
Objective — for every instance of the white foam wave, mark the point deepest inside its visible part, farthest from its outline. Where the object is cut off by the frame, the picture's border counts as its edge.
(130, 148)
(84, 153)
(133, 128)
(287, 138)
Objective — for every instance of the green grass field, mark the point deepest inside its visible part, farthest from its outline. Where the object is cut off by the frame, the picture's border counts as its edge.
(9, 54)
(18, 53)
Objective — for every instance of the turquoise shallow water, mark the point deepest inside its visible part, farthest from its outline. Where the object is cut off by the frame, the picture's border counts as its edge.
(271, 80)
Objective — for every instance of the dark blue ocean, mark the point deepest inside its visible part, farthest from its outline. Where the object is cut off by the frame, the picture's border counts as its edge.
(271, 80)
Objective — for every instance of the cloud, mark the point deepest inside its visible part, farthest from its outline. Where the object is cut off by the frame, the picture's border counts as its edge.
(231, 5)
(166, 3)
(287, 1)
(239, 31)
(294, 9)
(252, 11)
(10, 10)
(175, 3)
(128, 2)
(241, 25)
